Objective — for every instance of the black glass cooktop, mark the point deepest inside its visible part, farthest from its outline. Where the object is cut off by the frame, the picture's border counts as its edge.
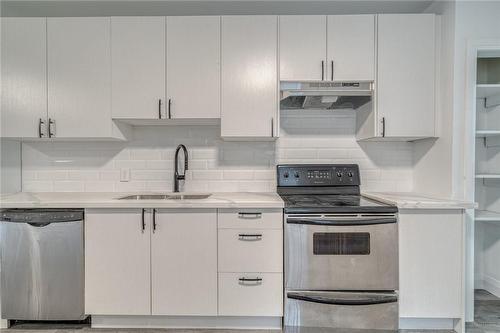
(310, 203)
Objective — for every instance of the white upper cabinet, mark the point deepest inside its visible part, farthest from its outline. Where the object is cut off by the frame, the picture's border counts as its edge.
(249, 77)
(193, 67)
(406, 75)
(117, 262)
(184, 262)
(351, 48)
(138, 67)
(79, 77)
(24, 77)
(302, 47)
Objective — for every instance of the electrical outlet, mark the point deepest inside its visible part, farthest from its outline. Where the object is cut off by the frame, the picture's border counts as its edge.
(125, 175)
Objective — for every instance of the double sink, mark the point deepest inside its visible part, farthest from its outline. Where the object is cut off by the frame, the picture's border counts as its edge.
(165, 197)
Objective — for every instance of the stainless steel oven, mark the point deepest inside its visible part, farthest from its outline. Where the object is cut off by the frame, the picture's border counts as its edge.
(341, 252)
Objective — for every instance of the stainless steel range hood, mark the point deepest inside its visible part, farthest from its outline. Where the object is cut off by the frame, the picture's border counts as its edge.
(324, 95)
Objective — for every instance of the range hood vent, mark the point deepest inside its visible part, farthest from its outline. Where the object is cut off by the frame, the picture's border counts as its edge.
(324, 95)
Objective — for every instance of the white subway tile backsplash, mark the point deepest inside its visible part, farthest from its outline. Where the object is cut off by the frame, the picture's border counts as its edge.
(69, 186)
(215, 165)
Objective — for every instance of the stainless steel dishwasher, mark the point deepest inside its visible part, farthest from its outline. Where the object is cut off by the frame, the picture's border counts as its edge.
(42, 264)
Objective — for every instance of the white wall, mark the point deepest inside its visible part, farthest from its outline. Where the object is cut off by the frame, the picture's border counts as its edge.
(474, 21)
(215, 165)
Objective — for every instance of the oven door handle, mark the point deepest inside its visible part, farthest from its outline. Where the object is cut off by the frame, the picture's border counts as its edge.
(332, 300)
(342, 221)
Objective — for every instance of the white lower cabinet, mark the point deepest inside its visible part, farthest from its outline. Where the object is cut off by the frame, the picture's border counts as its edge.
(137, 263)
(165, 262)
(251, 294)
(431, 252)
(184, 262)
(117, 262)
(250, 262)
(250, 250)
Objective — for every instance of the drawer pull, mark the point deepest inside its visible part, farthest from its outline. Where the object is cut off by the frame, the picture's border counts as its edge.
(250, 281)
(250, 237)
(249, 215)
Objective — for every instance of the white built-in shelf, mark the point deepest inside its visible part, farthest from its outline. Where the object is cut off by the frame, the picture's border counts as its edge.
(487, 90)
(491, 92)
(487, 133)
(487, 216)
(488, 176)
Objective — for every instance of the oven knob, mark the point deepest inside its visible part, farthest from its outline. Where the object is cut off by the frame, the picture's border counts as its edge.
(296, 175)
(349, 174)
(339, 174)
(285, 175)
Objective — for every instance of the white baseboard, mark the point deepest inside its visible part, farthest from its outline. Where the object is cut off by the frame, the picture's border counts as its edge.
(492, 285)
(186, 322)
(427, 323)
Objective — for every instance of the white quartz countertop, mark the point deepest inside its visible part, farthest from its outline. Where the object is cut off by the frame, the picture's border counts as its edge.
(110, 200)
(410, 200)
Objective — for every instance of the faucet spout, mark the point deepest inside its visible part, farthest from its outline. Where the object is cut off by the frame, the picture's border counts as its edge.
(177, 176)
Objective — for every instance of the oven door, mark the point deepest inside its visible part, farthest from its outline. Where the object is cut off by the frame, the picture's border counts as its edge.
(375, 311)
(341, 252)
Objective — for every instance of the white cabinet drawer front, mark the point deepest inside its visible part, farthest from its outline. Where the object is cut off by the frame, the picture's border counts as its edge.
(251, 218)
(251, 294)
(250, 250)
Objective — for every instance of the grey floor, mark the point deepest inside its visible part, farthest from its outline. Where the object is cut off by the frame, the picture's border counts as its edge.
(486, 313)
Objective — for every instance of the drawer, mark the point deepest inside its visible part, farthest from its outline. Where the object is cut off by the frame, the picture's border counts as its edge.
(250, 218)
(251, 294)
(250, 250)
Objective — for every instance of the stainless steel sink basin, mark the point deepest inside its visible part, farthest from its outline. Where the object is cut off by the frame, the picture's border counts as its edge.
(165, 197)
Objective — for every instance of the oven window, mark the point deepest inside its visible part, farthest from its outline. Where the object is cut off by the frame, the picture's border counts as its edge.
(341, 243)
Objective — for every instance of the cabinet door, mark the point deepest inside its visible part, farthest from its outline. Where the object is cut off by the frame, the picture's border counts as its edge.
(405, 84)
(79, 76)
(24, 77)
(249, 76)
(302, 47)
(184, 262)
(351, 48)
(117, 262)
(193, 66)
(431, 248)
(138, 67)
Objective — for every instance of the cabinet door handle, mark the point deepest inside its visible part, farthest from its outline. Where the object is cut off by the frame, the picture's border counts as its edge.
(52, 128)
(243, 215)
(332, 70)
(383, 127)
(250, 281)
(322, 70)
(169, 108)
(154, 220)
(41, 124)
(143, 221)
(272, 127)
(250, 237)
(159, 108)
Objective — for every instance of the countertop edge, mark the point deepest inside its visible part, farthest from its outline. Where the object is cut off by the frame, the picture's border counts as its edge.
(411, 200)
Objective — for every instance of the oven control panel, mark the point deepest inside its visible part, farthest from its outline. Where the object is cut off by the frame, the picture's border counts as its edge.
(318, 175)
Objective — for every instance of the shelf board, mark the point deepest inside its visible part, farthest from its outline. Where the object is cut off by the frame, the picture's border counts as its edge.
(488, 176)
(487, 90)
(486, 216)
(487, 133)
